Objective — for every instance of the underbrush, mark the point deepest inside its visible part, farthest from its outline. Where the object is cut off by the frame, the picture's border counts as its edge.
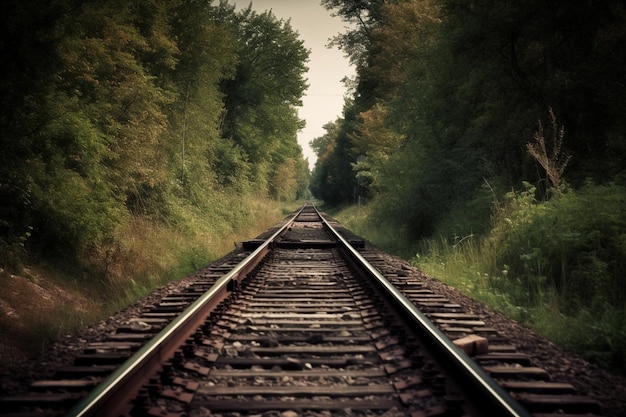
(46, 300)
(555, 265)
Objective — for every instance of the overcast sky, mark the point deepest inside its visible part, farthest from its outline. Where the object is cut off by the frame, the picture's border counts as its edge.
(323, 101)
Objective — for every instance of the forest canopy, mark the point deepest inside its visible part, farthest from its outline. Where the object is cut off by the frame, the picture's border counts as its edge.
(114, 109)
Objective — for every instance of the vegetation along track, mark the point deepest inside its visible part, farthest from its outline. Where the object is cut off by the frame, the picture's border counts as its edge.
(304, 325)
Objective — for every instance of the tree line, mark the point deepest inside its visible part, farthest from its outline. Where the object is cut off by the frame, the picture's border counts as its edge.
(113, 109)
(448, 93)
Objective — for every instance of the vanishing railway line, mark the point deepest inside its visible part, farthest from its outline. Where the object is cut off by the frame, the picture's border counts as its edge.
(302, 323)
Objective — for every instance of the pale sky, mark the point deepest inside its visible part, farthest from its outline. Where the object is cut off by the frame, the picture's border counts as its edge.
(324, 99)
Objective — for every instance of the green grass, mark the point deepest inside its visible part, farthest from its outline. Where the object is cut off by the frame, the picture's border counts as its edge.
(555, 266)
(360, 221)
(151, 254)
(596, 332)
(52, 300)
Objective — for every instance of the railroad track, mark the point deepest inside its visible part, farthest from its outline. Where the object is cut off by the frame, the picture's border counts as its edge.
(302, 323)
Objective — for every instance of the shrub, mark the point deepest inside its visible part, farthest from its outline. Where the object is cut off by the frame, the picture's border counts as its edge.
(574, 243)
(555, 264)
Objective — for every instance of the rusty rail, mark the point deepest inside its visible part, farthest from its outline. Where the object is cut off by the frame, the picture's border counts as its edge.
(111, 397)
(495, 399)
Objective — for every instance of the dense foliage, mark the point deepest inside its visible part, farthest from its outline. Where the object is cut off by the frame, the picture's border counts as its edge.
(497, 123)
(111, 110)
(449, 93)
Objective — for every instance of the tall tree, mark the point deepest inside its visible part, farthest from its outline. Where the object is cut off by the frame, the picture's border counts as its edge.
(116, 109)
(260, 99)
(94, 145)
(333, 179)
(464, 84)
(27, 45)
(199, 159)
(532, 56)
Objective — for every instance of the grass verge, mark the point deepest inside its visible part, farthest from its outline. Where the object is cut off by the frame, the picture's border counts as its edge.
(555, 266)
(46, 301)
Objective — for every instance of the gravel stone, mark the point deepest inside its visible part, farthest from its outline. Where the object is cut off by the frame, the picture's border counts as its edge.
(609, 389)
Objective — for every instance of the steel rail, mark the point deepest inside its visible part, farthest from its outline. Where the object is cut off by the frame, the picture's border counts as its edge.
(112, 396)
(498, 402)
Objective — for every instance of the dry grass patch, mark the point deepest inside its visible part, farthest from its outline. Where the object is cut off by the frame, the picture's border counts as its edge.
(42, 303)
(28, 304)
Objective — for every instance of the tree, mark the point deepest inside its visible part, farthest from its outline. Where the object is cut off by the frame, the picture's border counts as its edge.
(333, 179)
(115, 109)
(260, 99)
(92, 149)
(528, 57)
(199, 159)
(363, 16)
(387, 39)
(106, 78)
(27, 45)
(463, 84)
(373, 143)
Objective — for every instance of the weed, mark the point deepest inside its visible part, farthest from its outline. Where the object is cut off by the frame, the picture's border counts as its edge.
(554, 161)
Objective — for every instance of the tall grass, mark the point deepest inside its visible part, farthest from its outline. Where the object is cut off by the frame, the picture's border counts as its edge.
(149, 254)
(145, 253)
(359, 219)
(556, 265)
